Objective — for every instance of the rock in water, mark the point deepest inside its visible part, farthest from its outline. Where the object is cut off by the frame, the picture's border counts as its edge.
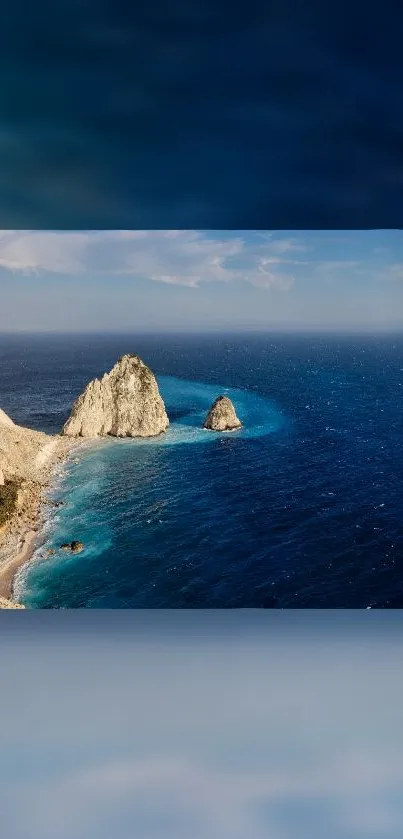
(125, 403)
(75, 547)
(222, 416)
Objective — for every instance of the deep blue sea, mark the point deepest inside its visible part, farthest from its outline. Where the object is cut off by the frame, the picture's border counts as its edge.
(302, 508)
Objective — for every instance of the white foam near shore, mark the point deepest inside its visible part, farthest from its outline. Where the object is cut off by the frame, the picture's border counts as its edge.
(77, 496)
(191, 401)
(45, 453)
(38, 460)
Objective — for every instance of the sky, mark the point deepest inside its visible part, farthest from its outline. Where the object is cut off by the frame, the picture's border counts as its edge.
(193, 113)
(170, 726)
(184, 280)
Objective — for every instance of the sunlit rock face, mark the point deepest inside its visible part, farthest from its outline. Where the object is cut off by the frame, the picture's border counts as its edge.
(125, 403)
(222, 416)
(5, 420)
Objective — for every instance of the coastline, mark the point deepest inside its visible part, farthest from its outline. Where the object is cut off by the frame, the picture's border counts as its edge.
(18, 538)
(10, 566)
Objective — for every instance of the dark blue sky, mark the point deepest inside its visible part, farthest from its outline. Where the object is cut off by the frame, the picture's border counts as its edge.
(201, 114)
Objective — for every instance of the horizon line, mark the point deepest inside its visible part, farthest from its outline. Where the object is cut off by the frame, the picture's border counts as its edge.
(336, 330)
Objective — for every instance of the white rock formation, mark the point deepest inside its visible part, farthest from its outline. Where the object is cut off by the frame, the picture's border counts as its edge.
(5, 420)
(222, 416)
(125, 403)
(1, 478)
(23, 452)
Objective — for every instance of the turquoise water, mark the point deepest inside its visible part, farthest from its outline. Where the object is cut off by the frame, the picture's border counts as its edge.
(125, 497)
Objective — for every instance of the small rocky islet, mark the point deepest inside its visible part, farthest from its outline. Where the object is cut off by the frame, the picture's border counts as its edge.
(74, 547)
(222, 416)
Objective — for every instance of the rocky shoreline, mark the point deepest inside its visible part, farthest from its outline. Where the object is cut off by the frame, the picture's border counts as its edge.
(19, 534)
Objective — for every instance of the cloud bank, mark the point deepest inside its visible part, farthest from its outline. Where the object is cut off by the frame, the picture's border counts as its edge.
(175, 280)
(180, 257)
(261, 736)
(173, 796)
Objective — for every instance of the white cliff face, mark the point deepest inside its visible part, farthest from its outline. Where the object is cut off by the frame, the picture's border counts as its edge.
(5, 420)
(222, 416)
(125, 403)
(25, 453)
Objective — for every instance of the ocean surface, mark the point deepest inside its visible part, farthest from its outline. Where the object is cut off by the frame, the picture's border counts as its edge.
(301, 508)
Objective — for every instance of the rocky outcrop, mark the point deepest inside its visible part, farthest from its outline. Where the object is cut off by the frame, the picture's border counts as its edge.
(75, 547)
(27, 459)
(5, 420)
(9, 498)
(24, 453)
(2, 480)
(125, 403)
(222, 416)
(9, 604)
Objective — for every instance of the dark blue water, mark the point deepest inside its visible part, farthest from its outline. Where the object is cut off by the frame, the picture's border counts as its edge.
(304, 508)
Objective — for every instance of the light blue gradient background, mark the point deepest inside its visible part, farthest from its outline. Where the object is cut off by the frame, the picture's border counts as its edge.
(201, 725)
(184, 280)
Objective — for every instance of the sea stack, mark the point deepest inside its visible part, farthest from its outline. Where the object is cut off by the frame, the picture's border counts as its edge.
(125, 403)
(222, 416)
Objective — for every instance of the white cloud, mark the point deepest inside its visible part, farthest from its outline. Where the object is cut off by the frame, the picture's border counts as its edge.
(246, 734)
(179, 257)
(194, 799)
(28, 252)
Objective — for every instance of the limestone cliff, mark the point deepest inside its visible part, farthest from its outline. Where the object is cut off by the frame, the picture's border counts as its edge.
(5, 420)
(26, 461)
(23, 452)
(125, 403)
(222, 416)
